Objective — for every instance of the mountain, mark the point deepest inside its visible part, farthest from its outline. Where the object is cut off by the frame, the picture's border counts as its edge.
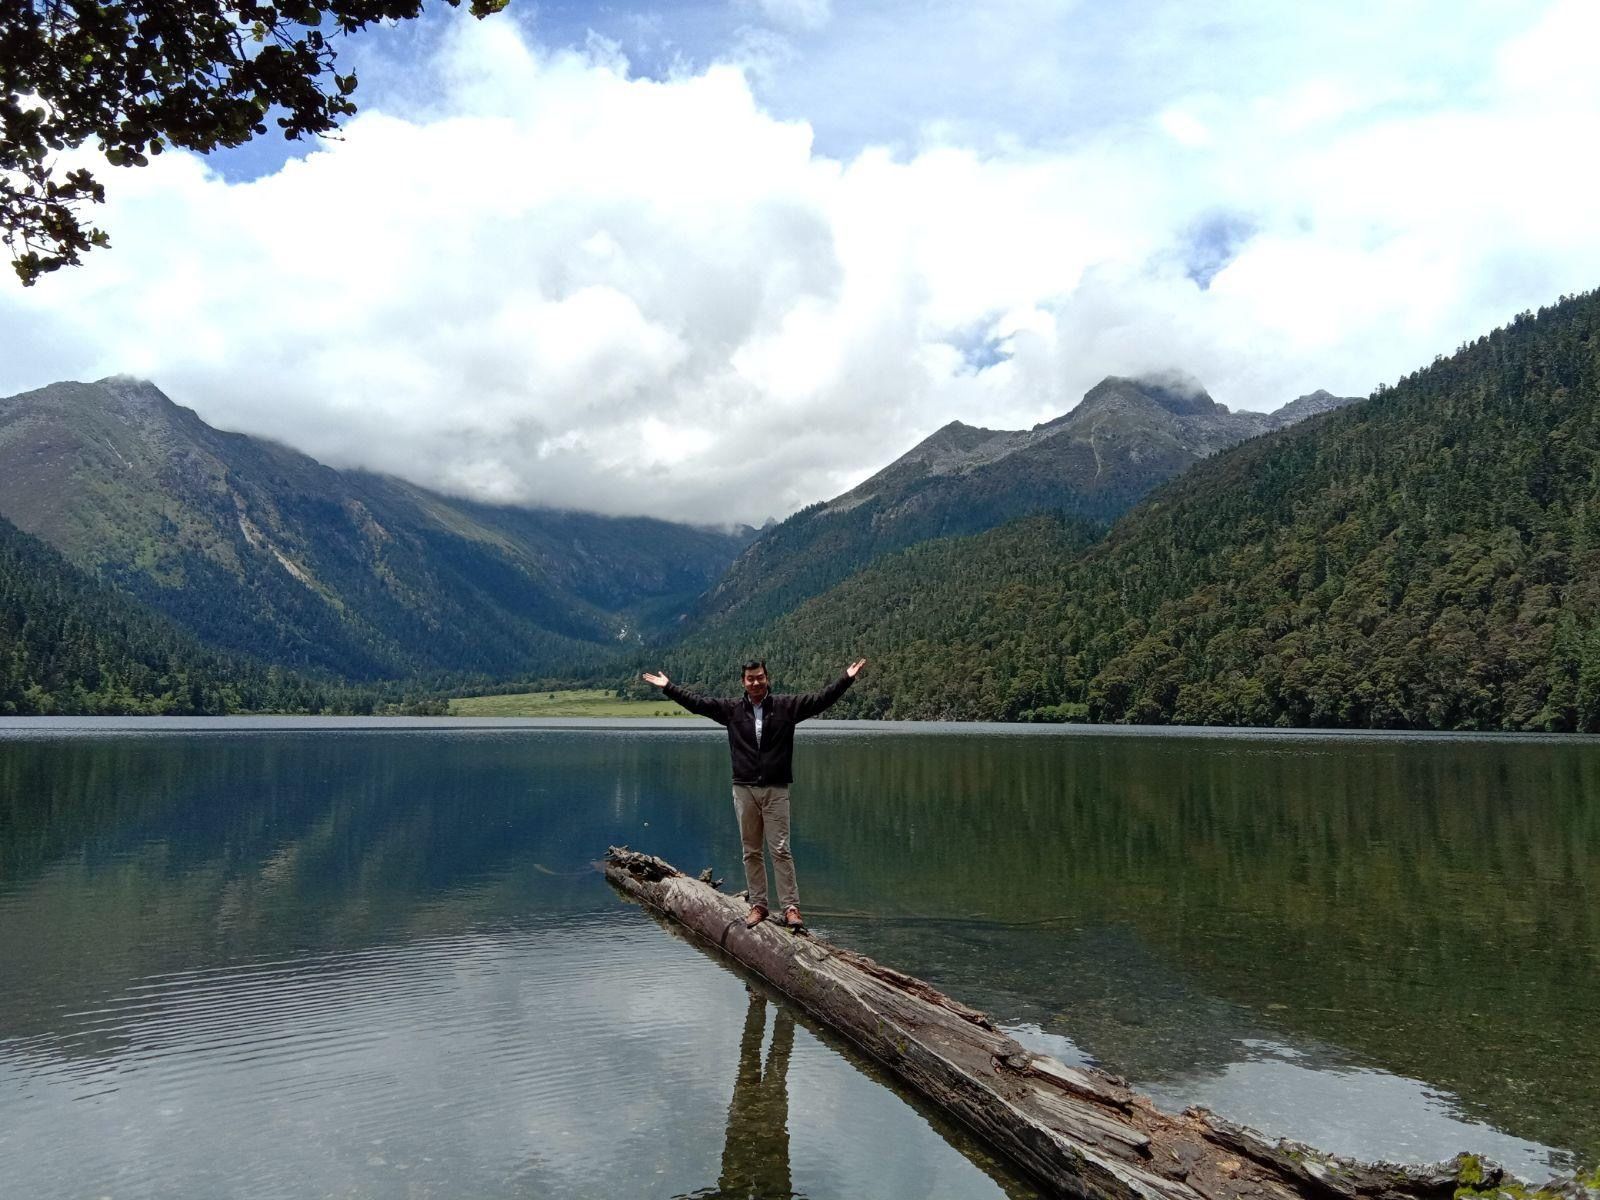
(1428, 559)
(1314, 404)
(259, 549)
(70, 644)
(1124, 437)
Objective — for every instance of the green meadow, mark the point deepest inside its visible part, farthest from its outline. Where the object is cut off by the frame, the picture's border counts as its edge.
(595, 702)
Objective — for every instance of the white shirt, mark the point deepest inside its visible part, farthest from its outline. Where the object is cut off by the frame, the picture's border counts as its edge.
(757, 707)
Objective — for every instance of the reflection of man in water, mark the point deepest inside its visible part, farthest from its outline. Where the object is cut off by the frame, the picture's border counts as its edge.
(761, 741)
(755, 1156)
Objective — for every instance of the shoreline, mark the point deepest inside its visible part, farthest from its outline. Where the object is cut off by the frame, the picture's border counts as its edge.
(305, 723)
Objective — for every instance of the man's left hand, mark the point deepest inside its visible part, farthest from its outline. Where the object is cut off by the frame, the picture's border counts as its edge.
(854, 668)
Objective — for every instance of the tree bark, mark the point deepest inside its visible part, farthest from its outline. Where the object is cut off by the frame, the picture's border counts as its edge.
(1081, 1132)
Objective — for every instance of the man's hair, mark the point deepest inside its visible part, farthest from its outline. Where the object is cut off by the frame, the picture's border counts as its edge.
(755, 664)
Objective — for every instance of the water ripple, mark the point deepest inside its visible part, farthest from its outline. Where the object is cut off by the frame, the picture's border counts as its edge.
(388, 1041)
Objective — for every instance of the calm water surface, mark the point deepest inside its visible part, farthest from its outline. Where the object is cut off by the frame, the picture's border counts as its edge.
(266, 959)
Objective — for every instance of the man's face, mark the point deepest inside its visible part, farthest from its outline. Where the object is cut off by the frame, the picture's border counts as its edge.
(755, 685)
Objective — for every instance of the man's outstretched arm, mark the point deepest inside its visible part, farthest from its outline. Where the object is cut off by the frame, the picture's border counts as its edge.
(812, 703)
(704, 706)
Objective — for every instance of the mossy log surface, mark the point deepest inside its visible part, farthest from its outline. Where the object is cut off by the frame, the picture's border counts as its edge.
(1079, 1132)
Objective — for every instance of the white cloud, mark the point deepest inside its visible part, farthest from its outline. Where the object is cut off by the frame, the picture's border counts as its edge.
(1185, 128)
(533, 277)
(1557, 57)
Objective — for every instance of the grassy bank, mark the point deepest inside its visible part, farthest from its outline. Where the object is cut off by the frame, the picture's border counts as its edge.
(585, 703)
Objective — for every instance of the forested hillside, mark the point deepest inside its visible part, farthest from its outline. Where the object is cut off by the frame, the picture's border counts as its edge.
(941, 623)
(69, 644)
(1428, 559)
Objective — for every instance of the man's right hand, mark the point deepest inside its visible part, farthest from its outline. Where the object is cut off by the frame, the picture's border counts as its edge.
(655, 677)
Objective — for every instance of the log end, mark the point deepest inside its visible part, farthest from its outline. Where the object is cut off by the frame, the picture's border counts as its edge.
(1334, 1177)
(646, 867)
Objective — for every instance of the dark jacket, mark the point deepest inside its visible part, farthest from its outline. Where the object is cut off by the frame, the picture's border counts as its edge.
(772, 763)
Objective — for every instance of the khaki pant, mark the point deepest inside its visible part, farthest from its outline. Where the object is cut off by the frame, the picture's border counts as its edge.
(764, 816)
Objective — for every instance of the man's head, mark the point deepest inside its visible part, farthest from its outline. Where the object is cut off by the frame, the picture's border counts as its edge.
(755, 680)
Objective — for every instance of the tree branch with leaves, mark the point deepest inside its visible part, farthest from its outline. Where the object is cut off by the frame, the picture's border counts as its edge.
(137, 77)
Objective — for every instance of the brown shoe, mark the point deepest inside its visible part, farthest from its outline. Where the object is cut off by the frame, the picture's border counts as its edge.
(755, 917)
(792, 918)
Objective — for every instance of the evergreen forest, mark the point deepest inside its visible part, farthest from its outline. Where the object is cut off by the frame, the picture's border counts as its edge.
(71, 644)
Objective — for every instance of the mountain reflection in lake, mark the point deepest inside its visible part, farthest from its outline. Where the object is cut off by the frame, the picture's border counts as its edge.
(318, 962)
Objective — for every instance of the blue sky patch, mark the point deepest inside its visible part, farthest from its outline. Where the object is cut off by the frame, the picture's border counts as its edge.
(1213, 243)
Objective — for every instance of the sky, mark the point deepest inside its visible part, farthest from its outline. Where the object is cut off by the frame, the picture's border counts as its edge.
(716, 260)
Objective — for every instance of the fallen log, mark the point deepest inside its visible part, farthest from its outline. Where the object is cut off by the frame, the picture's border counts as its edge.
(1081, 1132)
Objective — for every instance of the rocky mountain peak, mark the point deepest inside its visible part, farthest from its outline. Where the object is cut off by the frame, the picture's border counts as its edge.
(946, 445)
(130, 389)
(142, 402)
(1310, 405)
(1173, 391)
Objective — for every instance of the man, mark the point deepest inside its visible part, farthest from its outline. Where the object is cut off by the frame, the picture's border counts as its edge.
(761, 741)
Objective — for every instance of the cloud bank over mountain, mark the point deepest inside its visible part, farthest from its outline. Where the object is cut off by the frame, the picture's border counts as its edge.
(538, 275)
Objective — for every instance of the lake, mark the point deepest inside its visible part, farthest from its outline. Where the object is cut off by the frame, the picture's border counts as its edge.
(295, 958)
